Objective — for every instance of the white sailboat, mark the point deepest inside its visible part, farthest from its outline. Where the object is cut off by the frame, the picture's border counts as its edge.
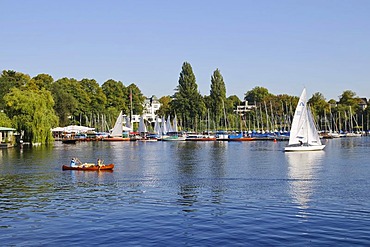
(174, 134)
(303, 133)
(142, 127)
(116, 134)
(117, 129)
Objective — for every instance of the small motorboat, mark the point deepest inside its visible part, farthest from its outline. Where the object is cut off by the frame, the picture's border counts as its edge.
(89, 167)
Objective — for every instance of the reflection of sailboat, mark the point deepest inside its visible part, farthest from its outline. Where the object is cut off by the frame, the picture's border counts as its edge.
(302, 168)
(303, 134)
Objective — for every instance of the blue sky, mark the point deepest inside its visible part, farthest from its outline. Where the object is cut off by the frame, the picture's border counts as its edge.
(281, 45)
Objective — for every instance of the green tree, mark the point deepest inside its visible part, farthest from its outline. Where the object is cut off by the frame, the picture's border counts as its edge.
(137, 99)
(349, 98)
(117, 101)
(187, 101)
(256, 95)
(165, 109)
(218, 97)
(43, 81)
(318, 104)
(65, 102)
(32, 113)
(231, 103)
(5, 120)
(10, 79)
(96, 96)
(81, 105)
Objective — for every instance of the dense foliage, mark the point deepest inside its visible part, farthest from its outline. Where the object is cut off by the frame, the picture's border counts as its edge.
(35, 105)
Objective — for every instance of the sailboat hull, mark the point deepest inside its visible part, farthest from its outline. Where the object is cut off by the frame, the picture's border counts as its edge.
(304, 148)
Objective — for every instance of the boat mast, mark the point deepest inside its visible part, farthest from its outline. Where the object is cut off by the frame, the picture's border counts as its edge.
(131, 111)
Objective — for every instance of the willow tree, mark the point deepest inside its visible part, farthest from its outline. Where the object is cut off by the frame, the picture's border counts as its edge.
(187, 101)
(32, 113)
(217, 97)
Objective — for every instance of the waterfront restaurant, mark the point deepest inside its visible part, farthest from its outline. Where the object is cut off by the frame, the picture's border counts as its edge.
(7, 138)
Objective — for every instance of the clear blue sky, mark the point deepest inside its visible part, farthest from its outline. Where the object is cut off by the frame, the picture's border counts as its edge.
(277, 44)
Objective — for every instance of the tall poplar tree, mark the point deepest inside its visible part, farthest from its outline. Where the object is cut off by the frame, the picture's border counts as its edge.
(218, 96)
(188, 103)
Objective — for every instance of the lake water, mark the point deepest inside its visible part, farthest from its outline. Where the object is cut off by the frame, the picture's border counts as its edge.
(187, 194)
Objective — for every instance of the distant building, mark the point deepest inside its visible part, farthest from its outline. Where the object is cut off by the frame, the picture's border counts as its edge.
(363, 103)
(7, 138)
(244, 108)
(151, 105)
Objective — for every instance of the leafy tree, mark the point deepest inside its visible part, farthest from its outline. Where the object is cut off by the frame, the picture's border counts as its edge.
(217, 96)
(137, 99)
(349, 98)
(187, 101)
(95, 94)
(65, 102)
(5, 121)
(332, 102)
(32, 113)
(231, 103)
(10, 79)
(43, 81)
(115, 93)
(165, 109)
(81, 102)
(318, 104)
(256, 95)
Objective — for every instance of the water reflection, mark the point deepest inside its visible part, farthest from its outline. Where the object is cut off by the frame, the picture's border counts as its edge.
(218, 160)
(302, 172)
(187, 169)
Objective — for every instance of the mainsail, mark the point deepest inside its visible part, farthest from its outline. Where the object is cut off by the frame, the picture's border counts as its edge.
(117, 129)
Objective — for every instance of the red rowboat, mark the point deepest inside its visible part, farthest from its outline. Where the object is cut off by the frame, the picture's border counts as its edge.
(89, 168)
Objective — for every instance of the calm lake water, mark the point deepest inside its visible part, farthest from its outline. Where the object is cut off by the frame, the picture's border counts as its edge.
(187, 194)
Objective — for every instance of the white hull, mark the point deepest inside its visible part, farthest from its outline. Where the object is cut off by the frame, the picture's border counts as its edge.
(180, 138)
(304, 148)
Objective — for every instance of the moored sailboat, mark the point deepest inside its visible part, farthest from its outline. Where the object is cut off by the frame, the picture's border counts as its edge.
(116, 132)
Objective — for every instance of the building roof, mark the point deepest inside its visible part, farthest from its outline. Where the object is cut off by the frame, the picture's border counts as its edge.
(6, 129)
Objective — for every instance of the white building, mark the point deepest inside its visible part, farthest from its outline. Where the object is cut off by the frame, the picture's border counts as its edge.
(151, 105)
(241, 109)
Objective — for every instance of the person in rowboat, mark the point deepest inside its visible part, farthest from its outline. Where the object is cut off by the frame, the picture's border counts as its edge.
(73, 163)
(99, 163)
